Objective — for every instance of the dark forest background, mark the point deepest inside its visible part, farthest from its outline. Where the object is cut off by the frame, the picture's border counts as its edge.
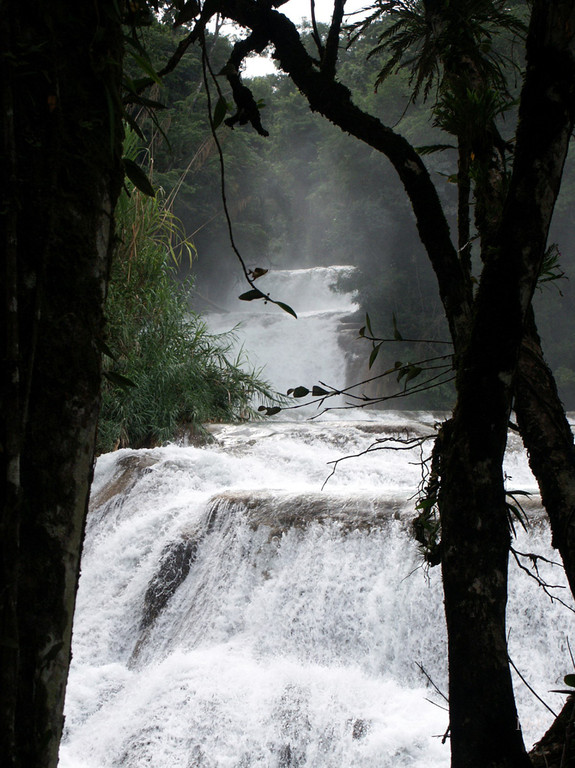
(310, 195)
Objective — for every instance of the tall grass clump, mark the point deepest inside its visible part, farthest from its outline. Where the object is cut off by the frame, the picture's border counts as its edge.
(165, 373)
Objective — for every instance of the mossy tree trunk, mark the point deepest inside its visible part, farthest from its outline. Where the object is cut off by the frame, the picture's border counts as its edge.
(61, 174)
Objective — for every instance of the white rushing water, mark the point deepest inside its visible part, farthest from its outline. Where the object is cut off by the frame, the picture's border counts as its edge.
(232, 614)
(294, 352)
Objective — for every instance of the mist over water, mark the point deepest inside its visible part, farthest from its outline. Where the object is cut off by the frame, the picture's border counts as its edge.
(234, 612)
(294, 352)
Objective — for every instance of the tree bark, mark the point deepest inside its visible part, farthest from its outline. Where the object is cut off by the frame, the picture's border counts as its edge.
(62, 131)
(557, 747)
(475, 541)
(548, 438)
(475, 534)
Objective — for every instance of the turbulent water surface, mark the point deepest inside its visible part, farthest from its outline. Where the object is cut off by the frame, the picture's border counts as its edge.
(236, 612)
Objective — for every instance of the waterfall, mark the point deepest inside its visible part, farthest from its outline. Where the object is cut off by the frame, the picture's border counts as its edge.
(295, 352)
(236, 610)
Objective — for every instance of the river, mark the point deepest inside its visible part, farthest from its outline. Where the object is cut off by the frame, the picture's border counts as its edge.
(242, 606)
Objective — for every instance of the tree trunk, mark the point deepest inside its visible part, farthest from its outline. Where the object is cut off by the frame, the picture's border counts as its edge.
(475, 534)
(61, 130)
(557, 747)
(474, 554)
(549, 442)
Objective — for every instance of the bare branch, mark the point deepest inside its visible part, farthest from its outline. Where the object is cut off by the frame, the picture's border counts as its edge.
(537, 578)
(315, 31)
(247, 109)
(524, 681)
(381, 444)
(423, 671)
(330, 53)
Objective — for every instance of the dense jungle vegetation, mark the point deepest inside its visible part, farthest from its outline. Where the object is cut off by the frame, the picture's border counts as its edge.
(309, 194)
(165, 375)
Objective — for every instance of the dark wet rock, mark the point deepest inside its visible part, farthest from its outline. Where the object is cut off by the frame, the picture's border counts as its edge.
(359, 728)
(283, 510)
(129, 469)
(174, 566)
(288, 757)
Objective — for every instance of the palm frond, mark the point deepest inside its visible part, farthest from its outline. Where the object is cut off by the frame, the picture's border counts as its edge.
(432, 40)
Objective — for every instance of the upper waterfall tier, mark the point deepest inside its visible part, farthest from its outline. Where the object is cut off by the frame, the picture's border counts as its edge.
(293, 352)
(313, 289)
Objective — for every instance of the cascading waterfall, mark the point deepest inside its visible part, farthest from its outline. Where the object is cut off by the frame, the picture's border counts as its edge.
(294, 352)
(232, 614)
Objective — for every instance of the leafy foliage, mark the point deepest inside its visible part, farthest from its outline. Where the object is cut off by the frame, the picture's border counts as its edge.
(309, 194)
(424, 37)
(164, 372)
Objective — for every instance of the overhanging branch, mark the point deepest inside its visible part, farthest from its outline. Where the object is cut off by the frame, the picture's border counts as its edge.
(333, 100)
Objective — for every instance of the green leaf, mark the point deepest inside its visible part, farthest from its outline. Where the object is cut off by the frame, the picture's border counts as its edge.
(120, 381)
(286, 308)
(374, 354)
(133, 123)
(412, 373)
(105, 349)
(146, 66)
(220, 111)
(368, 324)
(429, 148)
(319, 391)
(272, 411)
(361, 331)
(144, 102)
(300, 392)
(569, 680)
(140, 83)
(396, 334)
(251, 295)
(129, 84)
(138, 177)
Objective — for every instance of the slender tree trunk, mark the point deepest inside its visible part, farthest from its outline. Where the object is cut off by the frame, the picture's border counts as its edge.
(62, 139)
(549, 442)
(463, 217)
(475, 547)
